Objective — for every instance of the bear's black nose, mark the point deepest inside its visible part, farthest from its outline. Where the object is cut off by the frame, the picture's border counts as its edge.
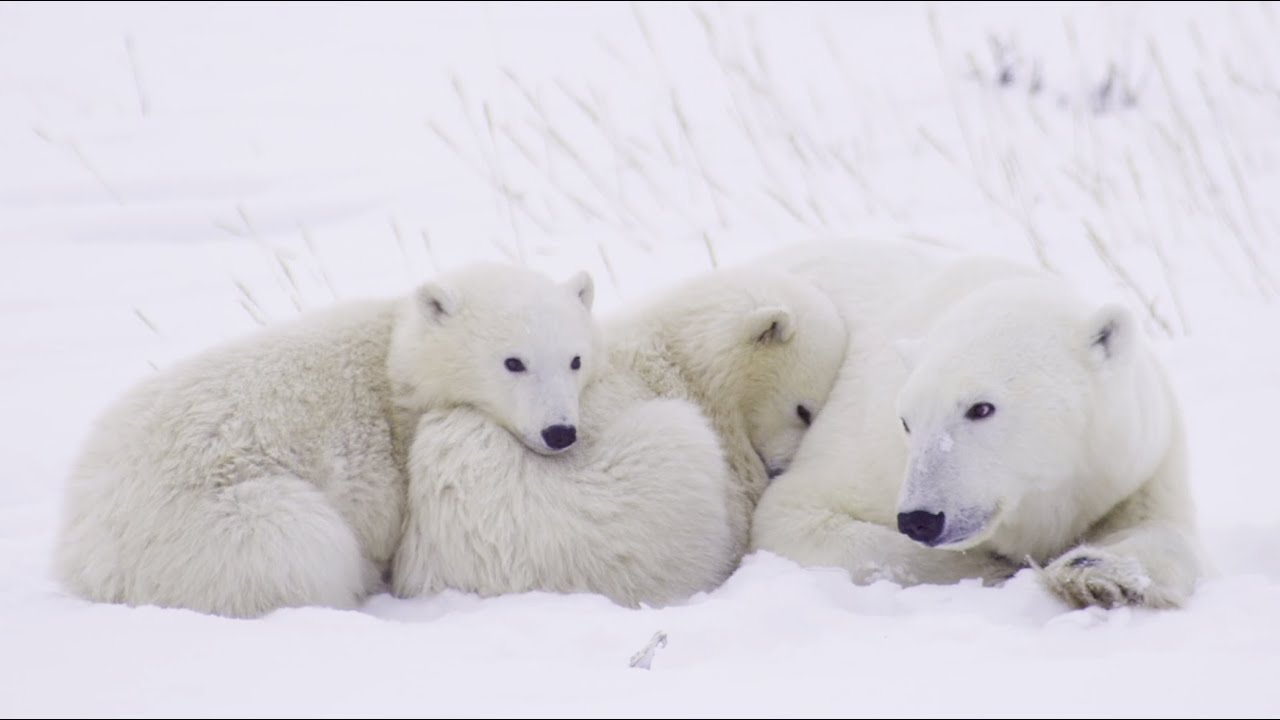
(559, 437)
(922, 525)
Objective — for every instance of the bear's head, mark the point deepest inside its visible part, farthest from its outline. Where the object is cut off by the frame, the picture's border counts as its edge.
(507, 341)
(1000, 410)
(770, 345)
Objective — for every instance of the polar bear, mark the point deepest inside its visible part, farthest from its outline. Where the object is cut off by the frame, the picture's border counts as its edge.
(987, 418)
(702, 393)
(270, 472)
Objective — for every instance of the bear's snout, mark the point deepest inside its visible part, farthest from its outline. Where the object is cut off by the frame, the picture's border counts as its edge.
(559, 437)
(922, 525)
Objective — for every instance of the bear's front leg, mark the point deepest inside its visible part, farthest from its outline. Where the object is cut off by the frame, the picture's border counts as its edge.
(820, 537)
(1094, 576)
(1144, 553)
(1154, 567)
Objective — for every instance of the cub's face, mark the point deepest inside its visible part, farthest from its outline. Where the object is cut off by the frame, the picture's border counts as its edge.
(793, 353)
(518, 347)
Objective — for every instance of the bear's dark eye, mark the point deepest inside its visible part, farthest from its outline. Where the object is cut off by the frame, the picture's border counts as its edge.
(514, 365)
(577, 363)
(981, 410)
(905, 427)
(805, 416)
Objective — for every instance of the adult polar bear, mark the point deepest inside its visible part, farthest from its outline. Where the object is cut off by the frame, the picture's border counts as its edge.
(701, 393)
(986, 417)
(270, 472)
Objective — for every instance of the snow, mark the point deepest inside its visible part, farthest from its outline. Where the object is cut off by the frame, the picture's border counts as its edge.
(169, 173)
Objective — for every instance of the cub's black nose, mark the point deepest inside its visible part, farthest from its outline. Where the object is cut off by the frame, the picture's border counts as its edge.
(559, 437)
(922, 525)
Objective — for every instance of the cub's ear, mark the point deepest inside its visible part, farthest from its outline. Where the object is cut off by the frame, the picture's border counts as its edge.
(583, 287)
(908, 350)
(1110, 333)
(769, 325)
(437, 302)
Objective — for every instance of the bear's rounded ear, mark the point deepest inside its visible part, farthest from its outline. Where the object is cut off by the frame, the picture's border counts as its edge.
(582, 287)
(908, 350)
(1110, 333)
(437, 302)
(766, 325)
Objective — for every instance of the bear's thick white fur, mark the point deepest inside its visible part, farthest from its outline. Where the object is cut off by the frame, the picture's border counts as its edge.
(696, 400)
(270, 472)
(1077, 466)
(636, 512)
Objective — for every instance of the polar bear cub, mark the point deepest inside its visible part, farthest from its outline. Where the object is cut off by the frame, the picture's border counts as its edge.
(701, 394)
(270, 472)
(987, 418)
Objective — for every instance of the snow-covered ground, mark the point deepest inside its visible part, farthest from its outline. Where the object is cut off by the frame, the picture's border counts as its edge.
(174, 175)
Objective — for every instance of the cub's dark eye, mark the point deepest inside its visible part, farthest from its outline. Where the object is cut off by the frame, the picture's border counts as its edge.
(806, 417)
(514, 365)
(905, 427)
(981, 410)
(577, 363)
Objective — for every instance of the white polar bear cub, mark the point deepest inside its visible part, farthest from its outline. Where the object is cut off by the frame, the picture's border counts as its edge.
(987, 417)
(270, 472)
(701, 394)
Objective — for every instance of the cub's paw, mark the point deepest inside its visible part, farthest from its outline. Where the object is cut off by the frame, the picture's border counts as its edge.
(1092, 576)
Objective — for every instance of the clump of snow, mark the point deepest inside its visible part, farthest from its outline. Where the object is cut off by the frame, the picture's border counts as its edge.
(946, 443)
(644, 658)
